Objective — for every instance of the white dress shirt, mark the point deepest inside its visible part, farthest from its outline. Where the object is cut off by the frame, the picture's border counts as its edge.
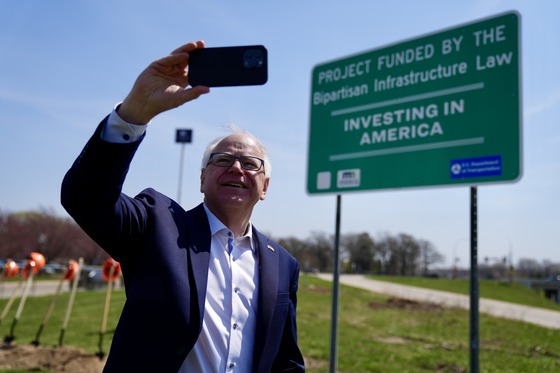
(226, 341)
(230, 312)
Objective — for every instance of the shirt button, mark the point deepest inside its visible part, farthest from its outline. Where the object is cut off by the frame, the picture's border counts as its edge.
(231, 366)
(235, 326)
(126, 137)
(236, 290)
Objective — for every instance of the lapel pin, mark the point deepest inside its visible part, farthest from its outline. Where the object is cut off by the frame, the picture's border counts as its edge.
(270, 248)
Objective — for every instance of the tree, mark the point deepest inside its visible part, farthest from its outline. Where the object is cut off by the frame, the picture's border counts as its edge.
(383, 252)
(56, 238)
(399, 255)
(529, 268)
(321, 247)
(550, 269)
(428, 255)
(300, 250)
(360, 248)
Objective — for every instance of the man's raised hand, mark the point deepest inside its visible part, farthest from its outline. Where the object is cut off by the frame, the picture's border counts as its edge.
(161, 86)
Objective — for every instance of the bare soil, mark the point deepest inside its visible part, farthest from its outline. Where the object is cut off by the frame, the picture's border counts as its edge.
(52, 359)
(405, 304)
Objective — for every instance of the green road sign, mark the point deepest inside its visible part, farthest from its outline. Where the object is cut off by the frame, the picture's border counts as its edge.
(442, 109)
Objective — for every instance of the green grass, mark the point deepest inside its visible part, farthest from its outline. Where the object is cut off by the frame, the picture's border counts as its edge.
(83, 328)
(497, 290)
(375, 334)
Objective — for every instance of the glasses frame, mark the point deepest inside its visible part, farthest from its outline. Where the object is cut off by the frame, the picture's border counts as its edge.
(236, 158)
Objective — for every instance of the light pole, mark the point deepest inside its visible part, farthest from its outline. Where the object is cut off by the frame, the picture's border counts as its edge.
(454, 269)
(183, 136)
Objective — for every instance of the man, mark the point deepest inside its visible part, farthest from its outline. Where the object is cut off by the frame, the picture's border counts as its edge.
(206, 291)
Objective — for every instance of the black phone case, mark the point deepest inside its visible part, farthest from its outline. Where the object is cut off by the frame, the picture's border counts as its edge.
(229, 66)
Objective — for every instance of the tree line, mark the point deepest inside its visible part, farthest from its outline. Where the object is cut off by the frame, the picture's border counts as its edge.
(60, 239)
(387, 254)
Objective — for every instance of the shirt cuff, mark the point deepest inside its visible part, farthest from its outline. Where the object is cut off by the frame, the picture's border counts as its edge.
(118, 131)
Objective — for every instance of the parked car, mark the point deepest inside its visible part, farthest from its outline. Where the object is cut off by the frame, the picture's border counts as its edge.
(91, 279)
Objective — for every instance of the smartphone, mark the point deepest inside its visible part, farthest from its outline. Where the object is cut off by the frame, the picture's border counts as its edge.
(228, 66)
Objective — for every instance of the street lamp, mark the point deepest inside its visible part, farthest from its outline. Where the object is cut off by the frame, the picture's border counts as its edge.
(182, 136)
(454, 269)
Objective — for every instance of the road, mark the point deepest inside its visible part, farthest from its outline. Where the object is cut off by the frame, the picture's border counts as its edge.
(37, 288)
(45, 287)
(539, 316)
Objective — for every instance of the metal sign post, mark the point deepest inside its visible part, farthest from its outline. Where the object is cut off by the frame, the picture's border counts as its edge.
(335, 290)
(474, 295)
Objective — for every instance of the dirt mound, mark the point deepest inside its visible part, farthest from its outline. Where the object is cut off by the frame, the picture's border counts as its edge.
(54, 359)
(406, 304)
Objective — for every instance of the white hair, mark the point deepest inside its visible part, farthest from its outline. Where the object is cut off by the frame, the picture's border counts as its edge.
(235, 130)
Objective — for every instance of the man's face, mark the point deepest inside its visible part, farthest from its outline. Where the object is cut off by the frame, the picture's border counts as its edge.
(233, 188)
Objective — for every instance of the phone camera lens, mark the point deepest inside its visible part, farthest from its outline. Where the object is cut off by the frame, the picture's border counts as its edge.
(253, 58)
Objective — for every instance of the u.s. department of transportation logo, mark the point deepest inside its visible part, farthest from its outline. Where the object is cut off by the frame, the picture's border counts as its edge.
(348, 178)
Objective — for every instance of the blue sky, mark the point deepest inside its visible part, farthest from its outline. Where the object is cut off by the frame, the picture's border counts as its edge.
(65, 64)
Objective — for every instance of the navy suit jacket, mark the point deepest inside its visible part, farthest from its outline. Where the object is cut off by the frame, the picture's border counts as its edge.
(164, 254)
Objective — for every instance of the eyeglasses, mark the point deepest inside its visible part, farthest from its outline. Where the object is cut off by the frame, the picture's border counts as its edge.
(247, 162)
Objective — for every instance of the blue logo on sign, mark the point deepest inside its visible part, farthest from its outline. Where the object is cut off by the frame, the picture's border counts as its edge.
(476, 167)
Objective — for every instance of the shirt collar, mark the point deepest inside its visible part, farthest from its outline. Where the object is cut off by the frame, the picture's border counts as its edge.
(216, 226)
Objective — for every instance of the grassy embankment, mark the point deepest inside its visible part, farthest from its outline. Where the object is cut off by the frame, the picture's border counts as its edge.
(376, 333)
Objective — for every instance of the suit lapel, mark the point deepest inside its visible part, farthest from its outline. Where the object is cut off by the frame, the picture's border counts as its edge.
(199, 252)
(268, 289)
